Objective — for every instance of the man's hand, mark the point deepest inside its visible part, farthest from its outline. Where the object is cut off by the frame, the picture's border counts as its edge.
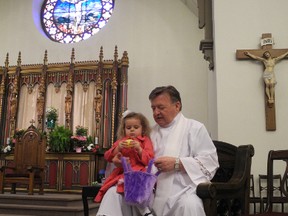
(165, 163)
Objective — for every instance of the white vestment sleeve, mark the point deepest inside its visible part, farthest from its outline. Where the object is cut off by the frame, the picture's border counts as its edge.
(203, 162)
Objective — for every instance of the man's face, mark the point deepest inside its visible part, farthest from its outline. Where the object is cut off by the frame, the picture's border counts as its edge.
(164, 111)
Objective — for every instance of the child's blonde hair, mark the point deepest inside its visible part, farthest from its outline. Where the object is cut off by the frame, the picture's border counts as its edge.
(143, 121)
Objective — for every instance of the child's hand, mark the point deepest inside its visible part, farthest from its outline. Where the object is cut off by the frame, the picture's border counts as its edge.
(125, 144)
(136, 145)
(129, 143)
(121, 145)
(116, 160)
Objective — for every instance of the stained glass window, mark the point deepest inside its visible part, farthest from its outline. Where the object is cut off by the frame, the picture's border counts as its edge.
(71, 21)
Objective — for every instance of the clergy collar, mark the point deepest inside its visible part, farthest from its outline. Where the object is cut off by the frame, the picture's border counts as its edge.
(173, 121)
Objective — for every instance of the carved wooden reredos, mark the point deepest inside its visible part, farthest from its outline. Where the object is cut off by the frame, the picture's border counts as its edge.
(92, 94)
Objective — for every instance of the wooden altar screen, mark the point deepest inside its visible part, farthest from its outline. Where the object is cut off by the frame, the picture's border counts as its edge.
(27, 91)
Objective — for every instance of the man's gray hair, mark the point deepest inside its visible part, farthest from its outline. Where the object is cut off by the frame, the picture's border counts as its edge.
(170, 90)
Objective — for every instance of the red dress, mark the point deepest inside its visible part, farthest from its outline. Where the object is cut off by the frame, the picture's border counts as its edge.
(136, 162)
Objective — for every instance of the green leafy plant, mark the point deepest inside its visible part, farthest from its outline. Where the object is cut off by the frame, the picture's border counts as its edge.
(18, 133)
(90, 139)
(60, 139)
(81, 131)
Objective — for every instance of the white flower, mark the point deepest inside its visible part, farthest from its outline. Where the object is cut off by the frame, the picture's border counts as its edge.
(47, 148)
(90, 146)
(7, 149)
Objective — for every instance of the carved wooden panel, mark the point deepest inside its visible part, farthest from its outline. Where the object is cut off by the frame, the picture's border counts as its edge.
(67, 171)
(108, 100)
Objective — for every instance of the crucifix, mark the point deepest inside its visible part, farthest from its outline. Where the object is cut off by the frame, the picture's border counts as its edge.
(269, 57)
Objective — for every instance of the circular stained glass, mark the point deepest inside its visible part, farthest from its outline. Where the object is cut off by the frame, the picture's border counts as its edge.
(71, 21)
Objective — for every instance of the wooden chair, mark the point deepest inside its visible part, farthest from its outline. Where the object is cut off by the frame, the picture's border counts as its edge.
(29, 162)
(277, 191)
(274, 159)
(228, 192)
(255, 200)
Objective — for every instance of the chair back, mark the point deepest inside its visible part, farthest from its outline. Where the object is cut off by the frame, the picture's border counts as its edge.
(252, 186)
(277, 179)
(229, 190)
(275, 158)
(30, 150)
(252, 198)
(226, 157)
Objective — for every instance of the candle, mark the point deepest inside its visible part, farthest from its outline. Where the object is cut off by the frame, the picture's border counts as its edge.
(8, 140)
(96, 140)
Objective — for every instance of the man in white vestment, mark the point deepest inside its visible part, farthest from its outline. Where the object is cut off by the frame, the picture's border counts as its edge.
(185, 155)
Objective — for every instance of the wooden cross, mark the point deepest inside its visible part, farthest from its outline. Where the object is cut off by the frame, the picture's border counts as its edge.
(32, 121)
(260, 55)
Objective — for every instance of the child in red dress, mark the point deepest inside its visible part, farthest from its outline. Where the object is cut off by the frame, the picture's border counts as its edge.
(134, 144)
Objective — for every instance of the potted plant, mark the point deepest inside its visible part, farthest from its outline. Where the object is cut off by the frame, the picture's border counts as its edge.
(79, 140)
(51, 117)
(59, 139)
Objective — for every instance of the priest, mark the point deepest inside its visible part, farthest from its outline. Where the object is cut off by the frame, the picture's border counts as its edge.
(185, 155)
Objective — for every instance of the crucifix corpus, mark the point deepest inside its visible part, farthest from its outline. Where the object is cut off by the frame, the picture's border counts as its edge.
(269, 57)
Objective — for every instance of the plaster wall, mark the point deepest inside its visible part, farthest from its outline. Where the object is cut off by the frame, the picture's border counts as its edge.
(240, 87)
(161, 37)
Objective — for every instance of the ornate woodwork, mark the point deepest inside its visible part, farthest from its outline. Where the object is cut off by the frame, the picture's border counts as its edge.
(109, 78)
(27, 167)
(67, 172)
(206, 23)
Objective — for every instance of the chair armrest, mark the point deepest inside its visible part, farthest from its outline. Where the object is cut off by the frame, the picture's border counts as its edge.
(33, 168)
(3, 168)
(214, 190)
(206, 190)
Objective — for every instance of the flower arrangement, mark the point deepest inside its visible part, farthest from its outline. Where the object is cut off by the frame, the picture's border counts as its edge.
(90, 146)
(80, 137)
(9, 147)
(79, 141)
(51, 114)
